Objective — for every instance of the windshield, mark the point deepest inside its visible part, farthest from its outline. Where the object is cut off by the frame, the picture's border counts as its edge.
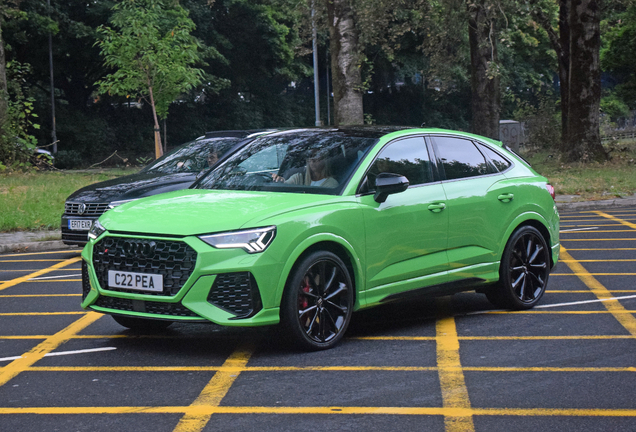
(192, 157)
(307, 161)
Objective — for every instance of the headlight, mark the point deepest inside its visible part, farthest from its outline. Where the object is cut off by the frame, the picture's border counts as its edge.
(96, 230)
(114, 204)
(252, 241)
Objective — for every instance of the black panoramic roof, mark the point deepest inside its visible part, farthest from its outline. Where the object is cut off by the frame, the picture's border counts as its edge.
(233, 133)
(353, 131)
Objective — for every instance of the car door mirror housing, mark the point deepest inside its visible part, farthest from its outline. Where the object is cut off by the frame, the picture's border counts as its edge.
(387, 184)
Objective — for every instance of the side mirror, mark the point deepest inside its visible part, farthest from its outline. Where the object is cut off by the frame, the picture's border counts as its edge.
(387, 184)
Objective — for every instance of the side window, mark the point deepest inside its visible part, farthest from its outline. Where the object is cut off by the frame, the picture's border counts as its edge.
(500, 163)
(460, 158)
(407, 157)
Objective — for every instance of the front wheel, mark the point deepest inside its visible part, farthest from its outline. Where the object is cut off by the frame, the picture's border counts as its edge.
(524, 271)
(318, 301)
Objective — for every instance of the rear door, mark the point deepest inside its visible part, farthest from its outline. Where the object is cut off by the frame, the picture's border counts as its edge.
(479, 205)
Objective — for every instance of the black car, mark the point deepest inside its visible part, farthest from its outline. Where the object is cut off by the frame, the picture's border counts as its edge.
(173, 171)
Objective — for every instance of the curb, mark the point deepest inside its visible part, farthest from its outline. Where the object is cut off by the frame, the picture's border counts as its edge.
(595, 205)
(34, 246)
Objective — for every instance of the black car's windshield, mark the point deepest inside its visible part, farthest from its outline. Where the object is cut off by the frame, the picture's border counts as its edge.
(192, 157)
(296, 161)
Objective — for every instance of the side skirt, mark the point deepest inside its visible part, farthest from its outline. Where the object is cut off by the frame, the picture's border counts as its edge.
(439, 290)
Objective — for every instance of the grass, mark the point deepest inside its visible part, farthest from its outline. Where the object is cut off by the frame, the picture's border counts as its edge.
(590, 181)
(35, 200)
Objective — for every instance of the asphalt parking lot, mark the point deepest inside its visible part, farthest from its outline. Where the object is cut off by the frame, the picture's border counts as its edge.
(447, 364)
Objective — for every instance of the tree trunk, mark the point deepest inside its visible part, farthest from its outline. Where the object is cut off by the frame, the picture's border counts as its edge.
(158, 147)
(563, 54)
(4, 94)
(583, 139)
(345, 64)
(484, 80)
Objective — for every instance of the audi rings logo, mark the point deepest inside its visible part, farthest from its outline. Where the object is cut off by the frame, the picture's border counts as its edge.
(138, 248)
(81, 208)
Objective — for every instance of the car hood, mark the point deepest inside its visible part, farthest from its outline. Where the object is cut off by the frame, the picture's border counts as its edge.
(193, 211)
(132, 187)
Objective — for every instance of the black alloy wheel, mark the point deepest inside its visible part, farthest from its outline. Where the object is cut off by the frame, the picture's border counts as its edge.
(523, 272)
(141, 324)
(318, 301)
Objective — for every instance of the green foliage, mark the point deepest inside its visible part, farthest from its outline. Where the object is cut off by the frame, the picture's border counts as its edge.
(617, 54)
(614, 107)
(68, 159)
(542, 122)
(152, 52)
(16, 142)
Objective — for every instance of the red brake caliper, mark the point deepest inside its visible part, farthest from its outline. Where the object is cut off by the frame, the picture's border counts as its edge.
(303, 301)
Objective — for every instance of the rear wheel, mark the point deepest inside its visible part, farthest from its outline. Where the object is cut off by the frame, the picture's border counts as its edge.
(141, 324)
(524, 271)
(318, 301)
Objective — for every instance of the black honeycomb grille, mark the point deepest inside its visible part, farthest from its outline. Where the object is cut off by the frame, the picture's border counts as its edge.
(86, 283)
(174, 260)
(236, 293)
(157, 308)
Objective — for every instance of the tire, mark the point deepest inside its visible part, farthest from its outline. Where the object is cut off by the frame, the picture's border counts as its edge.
(318, 302)
(523, 272)
(141, 324)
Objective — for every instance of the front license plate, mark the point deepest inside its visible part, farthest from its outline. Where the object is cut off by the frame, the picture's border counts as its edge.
(135, 281)
(80, 224)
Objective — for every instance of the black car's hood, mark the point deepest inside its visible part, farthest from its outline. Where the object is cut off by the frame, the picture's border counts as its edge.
(132, 187)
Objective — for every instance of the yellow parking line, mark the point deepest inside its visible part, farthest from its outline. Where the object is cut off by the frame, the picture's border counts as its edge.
(44, 253)
(33, 260)
(614, 307)
(235, 370)
(591, 231)
(602, 239)
(232, 369)
(486, 338)
(42, 313)
(39, 295)
(21, 279)
(615, 219)
(53, 280)
(451, 377)
(598, 260)
(215, 391)
(275, 410)
(582, 220)
(34, 270)
(586, 273)
(580, 291)
(536, 312)
(28, 359)
(602, 249)
(563, 225)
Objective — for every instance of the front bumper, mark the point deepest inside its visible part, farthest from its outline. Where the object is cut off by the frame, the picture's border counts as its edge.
(204, 296)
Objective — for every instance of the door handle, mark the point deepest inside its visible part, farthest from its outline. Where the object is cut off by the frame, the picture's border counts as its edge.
(507, 197)
(436, 208)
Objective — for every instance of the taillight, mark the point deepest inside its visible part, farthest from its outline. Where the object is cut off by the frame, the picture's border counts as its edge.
(550, 189)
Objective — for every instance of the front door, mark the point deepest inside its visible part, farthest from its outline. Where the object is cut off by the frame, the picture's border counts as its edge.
(406, 236)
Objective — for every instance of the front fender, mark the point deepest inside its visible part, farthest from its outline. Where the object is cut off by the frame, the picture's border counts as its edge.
(305, 244)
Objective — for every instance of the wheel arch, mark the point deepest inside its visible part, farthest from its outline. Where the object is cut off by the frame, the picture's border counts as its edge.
(327, 242)
(534, 220)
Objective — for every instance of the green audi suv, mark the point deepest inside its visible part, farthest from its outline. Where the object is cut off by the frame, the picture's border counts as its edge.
(301, 228)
